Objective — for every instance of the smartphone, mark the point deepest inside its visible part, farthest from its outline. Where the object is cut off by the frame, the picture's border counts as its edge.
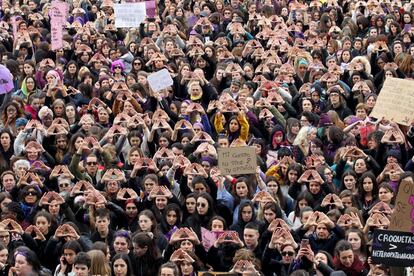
(304, 243)
(228, 236)
(218, 233)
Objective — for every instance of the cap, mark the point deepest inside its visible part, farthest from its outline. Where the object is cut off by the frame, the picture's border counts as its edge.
(21, 122)
(236, 82)
(394, 153)
(203, 14)
(324, 120)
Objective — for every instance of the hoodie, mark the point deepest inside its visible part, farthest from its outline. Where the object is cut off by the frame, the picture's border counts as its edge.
(240, 224)
(275, 145)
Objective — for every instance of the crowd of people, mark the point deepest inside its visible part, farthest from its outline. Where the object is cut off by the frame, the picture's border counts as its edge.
(102, 175)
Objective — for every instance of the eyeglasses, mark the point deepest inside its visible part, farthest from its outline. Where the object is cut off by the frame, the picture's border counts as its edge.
(202, 205)
(2, 237)
(91, 163)
(288, 253)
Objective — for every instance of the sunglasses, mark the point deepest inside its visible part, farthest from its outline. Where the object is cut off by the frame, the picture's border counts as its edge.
(137, 63)
(31, 193)
(63, 185)
(288, 253)
(91, 163)
(117, 67)
(202, 205)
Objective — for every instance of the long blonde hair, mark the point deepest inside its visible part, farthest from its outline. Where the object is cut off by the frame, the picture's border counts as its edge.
(99, 264)
(302, 140)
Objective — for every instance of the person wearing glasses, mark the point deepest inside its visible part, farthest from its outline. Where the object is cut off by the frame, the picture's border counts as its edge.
(64, 185)
(288, 254)
(281, 260)
(117, 69)
(91, 173)
(203, 214)
(4, 238)
(29, 197)
(91, 168)
(137, 65)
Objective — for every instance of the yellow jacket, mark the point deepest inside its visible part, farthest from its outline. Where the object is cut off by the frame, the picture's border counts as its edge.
(241, 118)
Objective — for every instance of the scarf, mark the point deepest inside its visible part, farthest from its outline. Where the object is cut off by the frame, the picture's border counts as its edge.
(27, 209)
(355, 270)
(24, 88)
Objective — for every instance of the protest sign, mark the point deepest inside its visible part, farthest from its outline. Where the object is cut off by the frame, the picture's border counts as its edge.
(14, 24)
(395, 101)
(393, 248)
(151, 8)
(160, 80)
(129, 15)
(57, 13)
(56, 33)
(237, 160)
(402, 218)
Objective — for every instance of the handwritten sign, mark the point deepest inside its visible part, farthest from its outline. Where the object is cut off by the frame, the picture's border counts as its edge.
(56, 32)
(129, 15)
(58, 13)
(237, 160)
(160, 80)
(395, 101)
(14, 24)
(402, 218)
(393, 248)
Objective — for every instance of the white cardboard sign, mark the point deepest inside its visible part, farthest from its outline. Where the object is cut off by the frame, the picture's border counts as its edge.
(160, 80)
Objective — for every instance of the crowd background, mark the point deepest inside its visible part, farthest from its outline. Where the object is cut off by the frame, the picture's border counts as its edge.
(101, 175)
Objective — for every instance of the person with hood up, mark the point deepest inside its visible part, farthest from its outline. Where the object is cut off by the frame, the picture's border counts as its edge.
(247, 214)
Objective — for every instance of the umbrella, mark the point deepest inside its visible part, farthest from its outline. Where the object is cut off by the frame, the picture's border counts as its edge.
(6, 80)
